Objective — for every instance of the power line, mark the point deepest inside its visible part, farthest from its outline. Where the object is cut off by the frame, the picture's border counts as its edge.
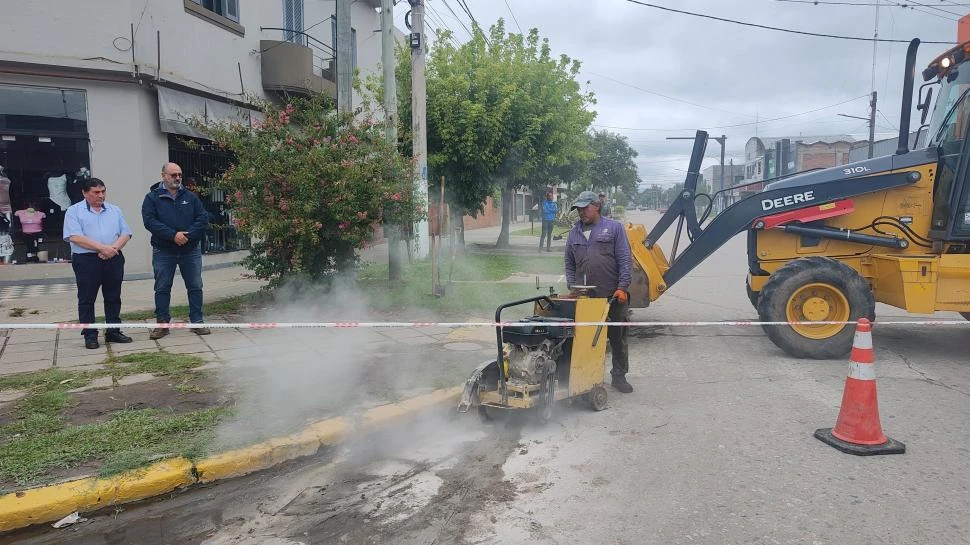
(893, 127)
(649, 92)
(455, 15)
(740, 124)
(464, 6)
(767, 27)
(513, 16)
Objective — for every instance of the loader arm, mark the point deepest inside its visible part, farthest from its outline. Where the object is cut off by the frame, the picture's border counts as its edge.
(653, 274)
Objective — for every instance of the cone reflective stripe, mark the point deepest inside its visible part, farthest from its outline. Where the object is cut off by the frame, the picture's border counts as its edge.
(857, 429)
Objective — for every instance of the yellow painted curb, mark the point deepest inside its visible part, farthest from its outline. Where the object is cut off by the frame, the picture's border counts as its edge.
(50, 503)
(237, 463)
(377, 417)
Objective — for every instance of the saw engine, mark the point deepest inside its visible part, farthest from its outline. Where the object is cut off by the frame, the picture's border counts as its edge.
(531, 364)
(533, 348)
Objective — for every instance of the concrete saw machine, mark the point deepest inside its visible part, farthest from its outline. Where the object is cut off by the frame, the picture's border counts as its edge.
(544, 358)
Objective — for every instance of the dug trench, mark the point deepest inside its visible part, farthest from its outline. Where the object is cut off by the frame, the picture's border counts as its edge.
(417, 483)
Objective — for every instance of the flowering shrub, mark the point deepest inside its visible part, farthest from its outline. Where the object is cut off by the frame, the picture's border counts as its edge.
(309, 185)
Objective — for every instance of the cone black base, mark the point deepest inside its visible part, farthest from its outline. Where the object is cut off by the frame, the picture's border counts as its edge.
(891, 446)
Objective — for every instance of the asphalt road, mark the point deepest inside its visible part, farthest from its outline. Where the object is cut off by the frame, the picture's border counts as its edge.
(715, 446)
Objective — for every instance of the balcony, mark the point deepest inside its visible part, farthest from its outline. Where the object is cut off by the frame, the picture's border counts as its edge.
(288, 67)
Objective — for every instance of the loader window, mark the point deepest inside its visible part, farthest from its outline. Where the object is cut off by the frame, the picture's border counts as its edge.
(948, 127)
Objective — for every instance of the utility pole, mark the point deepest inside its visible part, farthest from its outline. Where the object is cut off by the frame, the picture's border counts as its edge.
(419, 114)
(871, 121)
(720, 140)
(345, 62)
(390, 125)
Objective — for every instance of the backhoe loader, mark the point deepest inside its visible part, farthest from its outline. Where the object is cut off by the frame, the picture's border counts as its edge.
(825, 245)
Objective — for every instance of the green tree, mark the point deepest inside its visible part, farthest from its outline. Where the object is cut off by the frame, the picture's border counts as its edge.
(502, 115)
(309, 185)
(612, 166)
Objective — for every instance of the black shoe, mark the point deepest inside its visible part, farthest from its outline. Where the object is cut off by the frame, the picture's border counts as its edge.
(116, 337)
(620, 383)
(91, 343)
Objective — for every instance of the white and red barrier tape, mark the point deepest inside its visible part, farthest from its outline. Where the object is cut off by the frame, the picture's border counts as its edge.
(363, 325)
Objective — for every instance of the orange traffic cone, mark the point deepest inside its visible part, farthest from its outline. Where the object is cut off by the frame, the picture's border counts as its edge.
(857, 430)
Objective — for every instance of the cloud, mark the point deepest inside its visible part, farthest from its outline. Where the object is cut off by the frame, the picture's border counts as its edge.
(732, 74)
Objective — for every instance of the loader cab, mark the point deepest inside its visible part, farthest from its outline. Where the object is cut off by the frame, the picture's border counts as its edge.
(949, 133)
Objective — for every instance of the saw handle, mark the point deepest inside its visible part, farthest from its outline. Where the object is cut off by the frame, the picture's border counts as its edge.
(599, 328)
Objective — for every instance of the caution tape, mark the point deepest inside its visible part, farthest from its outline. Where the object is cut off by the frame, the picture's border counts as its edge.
(368, 325)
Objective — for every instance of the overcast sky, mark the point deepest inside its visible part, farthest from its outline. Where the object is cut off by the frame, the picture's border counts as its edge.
(713, 73)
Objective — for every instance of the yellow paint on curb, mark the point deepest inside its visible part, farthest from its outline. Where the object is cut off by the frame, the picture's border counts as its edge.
(393, 413)
(50, 503)
(237, 463)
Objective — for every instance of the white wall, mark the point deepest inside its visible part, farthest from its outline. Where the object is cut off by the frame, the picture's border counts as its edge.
(194, 51)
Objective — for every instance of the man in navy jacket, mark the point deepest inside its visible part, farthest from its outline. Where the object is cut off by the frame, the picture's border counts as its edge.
(177, 221)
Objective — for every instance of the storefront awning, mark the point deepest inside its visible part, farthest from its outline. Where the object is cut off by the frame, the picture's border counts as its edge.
(177, 108)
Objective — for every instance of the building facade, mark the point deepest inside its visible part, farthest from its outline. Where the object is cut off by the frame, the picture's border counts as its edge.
(768, 158)
(104, 88)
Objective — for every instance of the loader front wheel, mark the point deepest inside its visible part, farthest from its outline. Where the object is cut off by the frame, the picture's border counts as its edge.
(815, 296)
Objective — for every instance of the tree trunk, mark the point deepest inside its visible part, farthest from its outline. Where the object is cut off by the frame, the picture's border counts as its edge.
(393, 253)
(457, 229)
(503, 236)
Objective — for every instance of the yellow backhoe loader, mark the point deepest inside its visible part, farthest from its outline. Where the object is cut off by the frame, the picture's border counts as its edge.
(825, 245)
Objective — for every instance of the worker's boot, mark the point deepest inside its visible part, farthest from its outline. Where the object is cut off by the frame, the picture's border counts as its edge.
(620, 383)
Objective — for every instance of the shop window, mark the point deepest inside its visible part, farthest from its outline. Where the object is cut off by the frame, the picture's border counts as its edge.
(202, 163)
(44, 158)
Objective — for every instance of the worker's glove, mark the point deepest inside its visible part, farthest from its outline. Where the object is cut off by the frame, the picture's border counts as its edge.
(621, 296)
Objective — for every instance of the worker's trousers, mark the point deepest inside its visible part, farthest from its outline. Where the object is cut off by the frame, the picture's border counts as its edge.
(617, 336)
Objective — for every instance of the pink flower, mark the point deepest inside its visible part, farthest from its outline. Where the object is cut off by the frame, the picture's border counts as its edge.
(318, 225)
(396, 197)
(352, 139)
(290, 109)
(238, 196)
(361, 215)
(284, 205)
(343, 225)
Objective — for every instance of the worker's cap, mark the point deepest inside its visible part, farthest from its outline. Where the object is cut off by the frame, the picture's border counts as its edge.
(602, 194)
(584, 199)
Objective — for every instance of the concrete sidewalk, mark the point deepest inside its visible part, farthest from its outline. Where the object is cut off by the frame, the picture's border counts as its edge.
(25, 350)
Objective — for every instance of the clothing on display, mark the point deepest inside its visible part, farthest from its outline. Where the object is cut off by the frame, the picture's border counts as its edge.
(4, 194)
(31, 221)
(6, 246)
(57, 188)
(75, 187)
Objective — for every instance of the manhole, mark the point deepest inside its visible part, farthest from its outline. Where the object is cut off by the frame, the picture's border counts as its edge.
(463, 347)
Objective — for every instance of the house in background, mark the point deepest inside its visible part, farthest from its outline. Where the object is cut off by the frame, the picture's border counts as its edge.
(767, 158)
(105, 86)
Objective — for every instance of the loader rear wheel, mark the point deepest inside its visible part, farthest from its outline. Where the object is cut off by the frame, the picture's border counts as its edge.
(815, 289)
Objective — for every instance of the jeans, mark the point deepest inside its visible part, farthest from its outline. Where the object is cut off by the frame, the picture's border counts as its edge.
(190, 265)
(617, 336)
(93, 274)
(546, 233)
